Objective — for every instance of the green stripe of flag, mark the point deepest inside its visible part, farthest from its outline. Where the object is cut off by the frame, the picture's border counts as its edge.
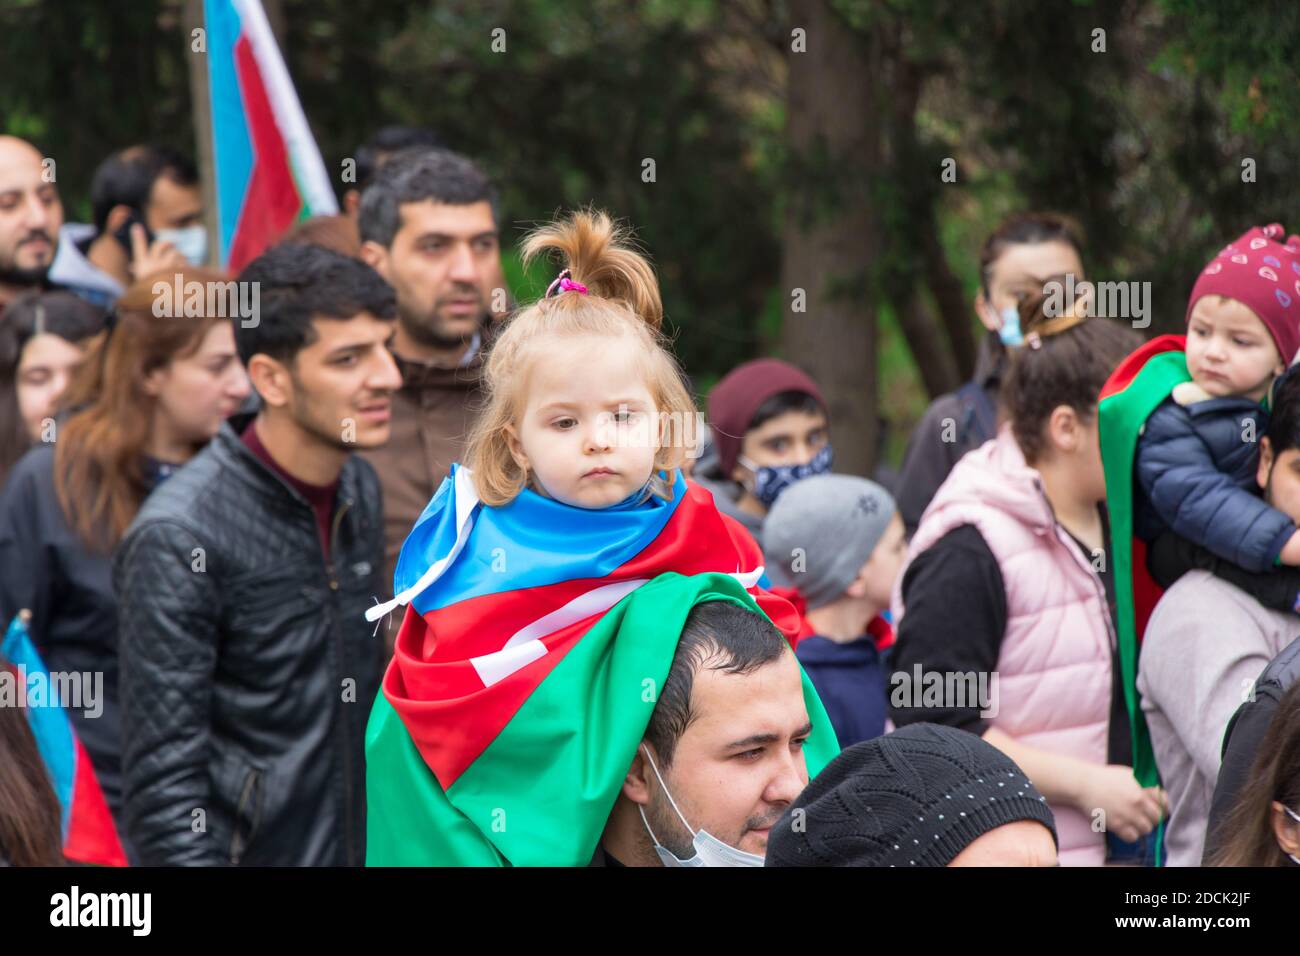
(1122, 416)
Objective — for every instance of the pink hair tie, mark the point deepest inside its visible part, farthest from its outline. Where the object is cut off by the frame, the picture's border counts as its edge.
(563, 283)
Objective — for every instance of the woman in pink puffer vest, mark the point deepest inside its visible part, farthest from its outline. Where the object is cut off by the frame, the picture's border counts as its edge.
(1005, 596)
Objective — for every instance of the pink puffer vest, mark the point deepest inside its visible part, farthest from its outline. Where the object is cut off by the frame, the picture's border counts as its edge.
(1054, 669)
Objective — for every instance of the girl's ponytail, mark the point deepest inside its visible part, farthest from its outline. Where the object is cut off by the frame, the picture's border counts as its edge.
(601, 256)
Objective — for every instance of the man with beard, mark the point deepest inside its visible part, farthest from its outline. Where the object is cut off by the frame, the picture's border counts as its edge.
(30, 216)
(248, 666)
(429, 226)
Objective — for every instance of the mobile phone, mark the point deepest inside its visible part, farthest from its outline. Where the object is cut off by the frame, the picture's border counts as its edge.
(123, 232)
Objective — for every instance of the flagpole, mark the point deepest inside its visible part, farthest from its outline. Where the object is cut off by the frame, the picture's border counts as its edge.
(201, 110)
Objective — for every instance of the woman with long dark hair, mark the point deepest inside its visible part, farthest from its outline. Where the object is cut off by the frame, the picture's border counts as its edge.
(154, 388)
(1263, 828)
(43, 340)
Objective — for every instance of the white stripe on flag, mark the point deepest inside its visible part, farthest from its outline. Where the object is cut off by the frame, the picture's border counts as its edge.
(466, 496)
(304, 154)
(525, 645)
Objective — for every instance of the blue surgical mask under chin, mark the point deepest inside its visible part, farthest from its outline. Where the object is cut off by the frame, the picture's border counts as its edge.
(709, 850)
(1009, 331)
(770, 480)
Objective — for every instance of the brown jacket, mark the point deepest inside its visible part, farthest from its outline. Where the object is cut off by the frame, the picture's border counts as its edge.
(432, 415)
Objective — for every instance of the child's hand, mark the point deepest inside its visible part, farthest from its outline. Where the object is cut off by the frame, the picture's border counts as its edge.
(1291, 550)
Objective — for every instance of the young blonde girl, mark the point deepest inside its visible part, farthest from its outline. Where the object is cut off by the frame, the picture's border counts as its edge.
(516, 655)
(593, 342)
(587, 417)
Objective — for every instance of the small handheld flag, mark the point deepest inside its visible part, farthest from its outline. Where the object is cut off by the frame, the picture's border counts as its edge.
(89, 835)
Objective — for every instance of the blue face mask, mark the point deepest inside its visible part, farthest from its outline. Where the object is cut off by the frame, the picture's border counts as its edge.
(770, 481)
(191, 242)
(1009, 330)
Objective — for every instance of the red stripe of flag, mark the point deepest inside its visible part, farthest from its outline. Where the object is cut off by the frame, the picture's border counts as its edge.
(92, 837)
(271, 203)
(452, 717)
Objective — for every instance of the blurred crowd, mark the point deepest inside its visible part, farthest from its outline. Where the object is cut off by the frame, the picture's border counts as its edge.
(1060, 633)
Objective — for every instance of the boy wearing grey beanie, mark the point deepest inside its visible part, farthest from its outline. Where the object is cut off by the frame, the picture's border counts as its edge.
(838, 540)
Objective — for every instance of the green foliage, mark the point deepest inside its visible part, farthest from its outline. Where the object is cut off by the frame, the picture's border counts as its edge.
(1143, 143)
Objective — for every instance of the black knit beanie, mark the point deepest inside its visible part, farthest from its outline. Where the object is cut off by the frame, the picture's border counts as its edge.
(915, 797)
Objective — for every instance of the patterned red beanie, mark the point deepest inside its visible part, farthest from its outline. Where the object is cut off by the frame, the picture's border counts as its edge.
(1262, 273)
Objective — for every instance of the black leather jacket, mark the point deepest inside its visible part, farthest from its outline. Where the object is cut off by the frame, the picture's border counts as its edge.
(247, 667)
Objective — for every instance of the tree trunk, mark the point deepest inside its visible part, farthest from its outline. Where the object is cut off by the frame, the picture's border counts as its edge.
(935, 363)
(944, 350)
(833, 131)
(950, 298)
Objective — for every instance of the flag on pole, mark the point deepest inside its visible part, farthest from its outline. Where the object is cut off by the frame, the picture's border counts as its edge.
(89, 835)
(268, 169)
(518, 684)
(1141, 382)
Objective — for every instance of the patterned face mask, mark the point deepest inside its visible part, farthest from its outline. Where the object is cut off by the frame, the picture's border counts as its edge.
(770, 481)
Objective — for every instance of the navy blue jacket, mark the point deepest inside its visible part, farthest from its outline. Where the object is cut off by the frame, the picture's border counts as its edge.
(1195, 470)
(850, 680)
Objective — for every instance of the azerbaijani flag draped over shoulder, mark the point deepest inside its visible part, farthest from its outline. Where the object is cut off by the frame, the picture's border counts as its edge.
(1141, 382)
(89, 835)
(269, 172)
(528, 664)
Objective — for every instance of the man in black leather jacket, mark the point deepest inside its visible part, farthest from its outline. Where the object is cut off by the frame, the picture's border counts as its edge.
(247, 667)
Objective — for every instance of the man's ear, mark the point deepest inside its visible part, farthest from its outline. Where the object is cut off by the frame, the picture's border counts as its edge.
(635, 785)
(351, 202)
(1265, 462)
(375, 256)
(270, 378)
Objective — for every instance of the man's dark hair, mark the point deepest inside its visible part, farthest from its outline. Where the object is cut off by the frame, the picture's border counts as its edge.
(720, 636)
(1284, 423)
(372, 155)
(416, 175)
(782, 402)
(126, 178)
(296, 283)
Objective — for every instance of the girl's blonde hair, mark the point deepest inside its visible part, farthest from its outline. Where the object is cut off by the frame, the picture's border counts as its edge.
(622, 301)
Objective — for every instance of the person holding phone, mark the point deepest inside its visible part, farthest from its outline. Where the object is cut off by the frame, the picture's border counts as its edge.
(148, 217)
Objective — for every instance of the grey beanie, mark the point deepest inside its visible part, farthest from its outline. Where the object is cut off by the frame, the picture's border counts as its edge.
(821, 531)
